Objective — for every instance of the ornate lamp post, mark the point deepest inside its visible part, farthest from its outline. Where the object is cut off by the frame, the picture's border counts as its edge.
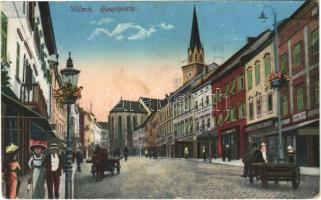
(68, 94)
(276, 83)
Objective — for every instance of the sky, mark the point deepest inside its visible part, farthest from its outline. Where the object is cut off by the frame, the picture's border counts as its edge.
(139, 49)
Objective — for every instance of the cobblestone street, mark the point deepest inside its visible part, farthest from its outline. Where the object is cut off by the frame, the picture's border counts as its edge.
(170, 178)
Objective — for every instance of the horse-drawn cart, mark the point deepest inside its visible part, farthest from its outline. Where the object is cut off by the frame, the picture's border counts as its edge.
(275, 172)
(111, 164)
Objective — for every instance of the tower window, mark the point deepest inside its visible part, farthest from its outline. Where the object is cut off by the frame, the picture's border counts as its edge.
(201, 58)
(190, 58)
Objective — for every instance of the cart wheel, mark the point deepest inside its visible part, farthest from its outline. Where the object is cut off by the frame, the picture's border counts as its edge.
(296, 178)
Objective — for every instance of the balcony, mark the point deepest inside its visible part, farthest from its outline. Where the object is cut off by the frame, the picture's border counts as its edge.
(37, 102)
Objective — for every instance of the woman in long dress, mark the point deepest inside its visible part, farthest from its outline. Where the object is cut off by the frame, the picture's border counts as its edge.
(12, 171)
(38, 173)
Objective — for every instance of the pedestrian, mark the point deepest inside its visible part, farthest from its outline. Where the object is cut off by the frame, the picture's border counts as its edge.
(155, 154)
(257, 156)
(53, 165)
(247, 161)
(186, 152)
(224, 153)
(35, 163)
(228, 152)
(150, 154)
(146, 153)
(12, 172)
(79, 159)
(263, 150)
(291, 152)
(126, 153)
(204, 153)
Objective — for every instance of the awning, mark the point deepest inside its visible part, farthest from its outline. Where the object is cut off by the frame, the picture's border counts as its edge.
(10, 101)
(185, 139)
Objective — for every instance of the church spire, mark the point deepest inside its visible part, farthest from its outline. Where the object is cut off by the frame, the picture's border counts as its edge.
(195, 36)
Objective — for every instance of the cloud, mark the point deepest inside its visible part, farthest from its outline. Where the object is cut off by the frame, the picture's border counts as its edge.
(166, 26)
(102, 21)
(142, 33)
(120, 29)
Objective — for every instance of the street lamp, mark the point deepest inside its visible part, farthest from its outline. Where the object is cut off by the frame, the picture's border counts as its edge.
(276, 83)
(68, 94)
(209, 145)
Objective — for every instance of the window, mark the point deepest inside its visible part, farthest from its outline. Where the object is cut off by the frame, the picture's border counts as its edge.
(233, 86)
(283, 62)
(259, 106)
(241, 111)
(267, 65)
(285, 109)
(196, 105)
(227, 117)
(297, 54)
(197, 126)
(251, 113)
(227, 86)
(257, 74)
(270, 102)
(315, 41)
(240, 84)
(207, 100)
(213, 98)
(315, 93)
(208, 124)
(249, 79)
(4, 33)
(190, 58)
(18, 61)
(300, 99)
(233, 114)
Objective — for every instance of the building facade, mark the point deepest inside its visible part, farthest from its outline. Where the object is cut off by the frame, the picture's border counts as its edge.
(298, 49)
(229, 95)
(27, 41)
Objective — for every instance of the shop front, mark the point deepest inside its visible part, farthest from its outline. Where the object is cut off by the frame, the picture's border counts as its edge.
(231, 137)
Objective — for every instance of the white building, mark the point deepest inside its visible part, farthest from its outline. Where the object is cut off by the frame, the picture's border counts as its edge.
(139, 140)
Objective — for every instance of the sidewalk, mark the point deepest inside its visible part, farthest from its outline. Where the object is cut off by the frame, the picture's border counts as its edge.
(24, 184)
(313, 171)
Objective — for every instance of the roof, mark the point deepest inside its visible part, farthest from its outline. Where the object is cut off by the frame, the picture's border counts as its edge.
(103, 125)
(153, 104)
(235, 59)
(195, 36)
(47, 27)
(145, 122)
(128, 106)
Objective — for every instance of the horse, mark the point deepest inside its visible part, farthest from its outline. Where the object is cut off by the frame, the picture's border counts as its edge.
(100, 157)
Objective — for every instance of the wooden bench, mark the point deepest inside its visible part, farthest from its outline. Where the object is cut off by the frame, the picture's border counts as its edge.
(276, 172)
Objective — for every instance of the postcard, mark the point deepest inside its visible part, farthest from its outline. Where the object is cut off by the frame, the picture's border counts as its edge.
(160, 99)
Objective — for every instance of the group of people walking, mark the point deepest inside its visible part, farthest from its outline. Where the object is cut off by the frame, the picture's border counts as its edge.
(152, 154)
(45, 168)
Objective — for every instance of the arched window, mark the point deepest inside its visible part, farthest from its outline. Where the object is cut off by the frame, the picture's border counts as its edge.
(120, 130)
(195, 57)
(129, 124)
(201, 58)
(190, 58)
(135, 121)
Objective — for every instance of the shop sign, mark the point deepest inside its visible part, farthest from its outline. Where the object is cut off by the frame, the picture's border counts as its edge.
(308, 131)
(261, 125)
(283, 122)
(313, 112)
(229, 131)
(299, 116)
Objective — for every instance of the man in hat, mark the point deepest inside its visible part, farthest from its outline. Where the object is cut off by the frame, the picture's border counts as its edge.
(38, 172)
(53, 165)
(11, 174)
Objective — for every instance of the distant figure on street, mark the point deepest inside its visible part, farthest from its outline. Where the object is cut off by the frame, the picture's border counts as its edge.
(247, 160)
(79, 159)
(224, 153)
(155, 154)
(146, 153)
(12, 172)
(204, 153)
(257, 156)
(186, 152)
(126, 153)
(228, 152)
(150, 154)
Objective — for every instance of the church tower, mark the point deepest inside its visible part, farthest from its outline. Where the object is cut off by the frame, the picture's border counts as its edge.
(195, 53)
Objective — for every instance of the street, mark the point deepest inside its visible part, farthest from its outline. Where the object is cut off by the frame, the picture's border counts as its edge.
(171, 178)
